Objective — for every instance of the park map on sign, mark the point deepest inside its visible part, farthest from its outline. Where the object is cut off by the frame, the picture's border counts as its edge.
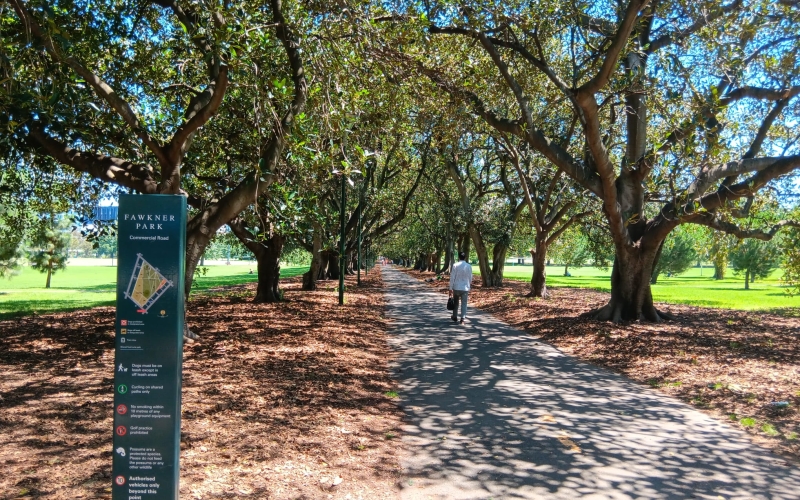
(146, 285)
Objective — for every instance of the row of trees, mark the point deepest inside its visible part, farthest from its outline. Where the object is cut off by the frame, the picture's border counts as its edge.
(468, 123)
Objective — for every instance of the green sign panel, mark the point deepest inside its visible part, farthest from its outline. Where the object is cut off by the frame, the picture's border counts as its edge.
(149, 347)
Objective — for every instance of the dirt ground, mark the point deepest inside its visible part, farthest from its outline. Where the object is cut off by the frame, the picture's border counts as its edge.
(741, 367)
(280, 401)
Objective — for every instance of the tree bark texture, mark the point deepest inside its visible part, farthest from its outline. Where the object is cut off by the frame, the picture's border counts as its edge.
(539, 277)
(269, 270)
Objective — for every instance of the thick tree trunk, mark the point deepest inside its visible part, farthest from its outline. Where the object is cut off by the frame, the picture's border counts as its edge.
(269, 270)
(463, 246)
(325, 257)
(196, 243)
(333, 265)
(488, 276)
(499, 254)
(311, 276)
(49, 274)
(539, 277)
(631, 296)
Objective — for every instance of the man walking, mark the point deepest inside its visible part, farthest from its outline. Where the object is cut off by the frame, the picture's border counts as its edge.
(460, 281)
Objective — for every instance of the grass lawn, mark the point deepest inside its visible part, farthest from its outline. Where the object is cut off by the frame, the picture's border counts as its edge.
(689, 288)
(81, 287)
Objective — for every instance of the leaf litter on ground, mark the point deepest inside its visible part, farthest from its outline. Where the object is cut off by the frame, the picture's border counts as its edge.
(267, 393)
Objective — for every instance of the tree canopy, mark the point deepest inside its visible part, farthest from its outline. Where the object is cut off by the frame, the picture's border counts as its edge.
(461, 125)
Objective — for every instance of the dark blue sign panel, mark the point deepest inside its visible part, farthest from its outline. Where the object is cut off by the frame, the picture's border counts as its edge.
(149, 347)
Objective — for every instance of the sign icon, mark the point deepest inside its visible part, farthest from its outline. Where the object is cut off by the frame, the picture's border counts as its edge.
(122, 340)
(122, 388)
(122, 409)
(123, 331)
(121, 430)
(122, 368)
(163, 312)
(119, 480)
(124, 322)
(120, 451)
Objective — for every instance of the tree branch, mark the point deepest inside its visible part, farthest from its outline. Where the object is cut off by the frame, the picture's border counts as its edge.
(612, 54)
(707, 19)
(101, 88)
(105, 168)
(713, 221)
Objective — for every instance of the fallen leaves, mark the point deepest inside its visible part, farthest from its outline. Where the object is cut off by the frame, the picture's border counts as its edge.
(275, 397)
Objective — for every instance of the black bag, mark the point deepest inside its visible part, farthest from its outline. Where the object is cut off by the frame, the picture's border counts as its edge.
(450, 304)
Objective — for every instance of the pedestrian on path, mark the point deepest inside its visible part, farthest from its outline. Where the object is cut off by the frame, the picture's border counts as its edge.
(460, 281)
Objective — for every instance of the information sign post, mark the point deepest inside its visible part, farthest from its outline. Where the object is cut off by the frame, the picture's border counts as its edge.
(149, 347)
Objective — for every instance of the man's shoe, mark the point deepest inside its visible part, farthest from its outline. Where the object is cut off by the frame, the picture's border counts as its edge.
(454, 319)
(461, 322)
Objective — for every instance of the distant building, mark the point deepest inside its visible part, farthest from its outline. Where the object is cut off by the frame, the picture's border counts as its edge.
(106, 211)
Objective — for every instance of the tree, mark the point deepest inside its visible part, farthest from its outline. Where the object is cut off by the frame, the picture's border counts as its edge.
(686, 152)
(719, 251)
(677, 255)
(50, 248)
(10, 255)
(756, 259)
(571, 249)
(790, 246)
(124, 102)
(554, 205)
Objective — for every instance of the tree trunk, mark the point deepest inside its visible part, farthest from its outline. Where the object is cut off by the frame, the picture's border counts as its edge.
(325, 258)
(49, 273)
(269, 270)
(488, 277)
(463, 246)
(333, 265)
(566, 269)
(720, 264)
(539, 277)
(312, 275)
(631, 296)
(499, 254)
(746, 280)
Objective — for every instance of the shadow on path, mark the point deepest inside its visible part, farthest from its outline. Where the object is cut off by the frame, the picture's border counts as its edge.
(493, 413)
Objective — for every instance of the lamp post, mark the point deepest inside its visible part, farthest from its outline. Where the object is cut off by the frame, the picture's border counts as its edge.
(360, 208)
(342, 234)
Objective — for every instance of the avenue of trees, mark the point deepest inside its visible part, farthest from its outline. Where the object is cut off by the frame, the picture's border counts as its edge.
(642, 135)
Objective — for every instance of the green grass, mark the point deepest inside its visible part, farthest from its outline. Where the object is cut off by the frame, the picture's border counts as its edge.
(689, 288)
(82, 287)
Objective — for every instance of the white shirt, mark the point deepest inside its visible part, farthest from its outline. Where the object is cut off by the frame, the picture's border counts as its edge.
(461, 276)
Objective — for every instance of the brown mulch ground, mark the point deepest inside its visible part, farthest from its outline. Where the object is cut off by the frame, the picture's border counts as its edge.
(731, 364)
(283, 401)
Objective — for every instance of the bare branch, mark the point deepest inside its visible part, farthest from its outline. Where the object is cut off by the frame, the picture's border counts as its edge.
(758, 141)
(612, 54)
(736, 168)
(760, 94)
(199, 112)
(713, 221)
(105, 168)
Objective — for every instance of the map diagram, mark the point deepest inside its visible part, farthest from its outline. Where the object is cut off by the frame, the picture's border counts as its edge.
(147, 284)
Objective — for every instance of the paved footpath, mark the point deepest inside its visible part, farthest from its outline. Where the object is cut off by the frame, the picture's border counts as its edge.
(492, 413)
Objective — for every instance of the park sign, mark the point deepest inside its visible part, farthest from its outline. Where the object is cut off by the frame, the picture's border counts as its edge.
(149, 347)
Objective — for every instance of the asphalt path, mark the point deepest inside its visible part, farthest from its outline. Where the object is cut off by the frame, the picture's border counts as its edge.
(493, 413)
